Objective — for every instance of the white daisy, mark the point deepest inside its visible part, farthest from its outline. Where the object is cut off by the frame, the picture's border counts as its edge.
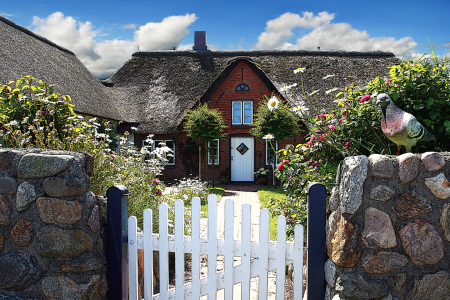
(268, 137)
(328, 76)
(272, 104)
(299, 70)
(313, 93)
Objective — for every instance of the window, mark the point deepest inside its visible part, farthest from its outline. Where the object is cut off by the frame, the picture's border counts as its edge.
(242, 112)
(270, 155)
(168, 143)
(242, 87)
(213, 154)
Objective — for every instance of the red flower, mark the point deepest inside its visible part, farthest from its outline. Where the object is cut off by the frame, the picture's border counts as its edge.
(387, 81)
(158, 192)
(340, 120)
(280, 166)
(365, 98)
(285, 161)
(43, 112)
(156, 181)
(347, 145)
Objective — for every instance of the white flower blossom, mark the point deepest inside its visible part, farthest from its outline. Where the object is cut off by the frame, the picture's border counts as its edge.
(268, 137)
(272, 104)
(133, 128)
(331, 90)
(299, 70)
(328, 76)
(316, 91)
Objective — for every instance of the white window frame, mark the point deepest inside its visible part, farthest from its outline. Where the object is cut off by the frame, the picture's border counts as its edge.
(242, 112)
(267, 152)
(156, 144)
(218, 151)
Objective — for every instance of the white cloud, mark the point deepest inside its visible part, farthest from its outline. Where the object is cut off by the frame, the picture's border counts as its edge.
(165, 35)
(104, 57)
(329, 36)
(6, 14)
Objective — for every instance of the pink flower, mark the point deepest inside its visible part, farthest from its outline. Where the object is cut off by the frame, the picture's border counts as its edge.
(312, 139)
(158, 193)
(365, 98)
(331, 127)
(280, 166)
(347, 145)
(156, 181)
(285, 161)
(387, 81)
(310, 143)
(292, 220)
(43, 112)
(340, 120)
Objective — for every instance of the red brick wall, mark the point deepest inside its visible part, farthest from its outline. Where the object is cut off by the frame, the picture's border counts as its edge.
(222, 99)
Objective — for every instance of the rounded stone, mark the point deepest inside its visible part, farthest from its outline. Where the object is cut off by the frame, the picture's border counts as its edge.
(422, 242)
(378, 230)
(53, 210)
(353, 172)
(22, 232)
(432, 161)
(439, 186)
(382, 167)
(34, 165)
(94, 219)
(384, 262)
(8, 185)
(2, 242)
(60, 287)
(56, 242)
(381, 193)
(6, 159)
(445, 221)
(408, 167)
(342, 241)
(23, 271)
(26, 194)
(330, 272)
(60, 187)
(410, 205)
(333, 202)
(5, 211)
(431, 287)
(355, 286)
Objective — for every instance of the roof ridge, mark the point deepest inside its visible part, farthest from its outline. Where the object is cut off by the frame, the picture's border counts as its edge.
(31, 33)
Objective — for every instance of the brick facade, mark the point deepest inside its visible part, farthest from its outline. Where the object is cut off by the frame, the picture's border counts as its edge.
(186, 157)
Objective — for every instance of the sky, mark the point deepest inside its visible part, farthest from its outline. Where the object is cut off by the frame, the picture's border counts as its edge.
(104, 34)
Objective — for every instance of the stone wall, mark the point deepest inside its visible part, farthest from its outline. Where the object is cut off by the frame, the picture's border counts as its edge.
(52, 228)
(388, 229)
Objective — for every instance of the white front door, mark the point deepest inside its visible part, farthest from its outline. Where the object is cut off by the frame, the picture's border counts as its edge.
(242, 158)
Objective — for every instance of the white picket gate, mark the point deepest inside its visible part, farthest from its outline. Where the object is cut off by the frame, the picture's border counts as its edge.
(257, 257)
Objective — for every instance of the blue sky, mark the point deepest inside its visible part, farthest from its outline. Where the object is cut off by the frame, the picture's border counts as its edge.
(104, 34)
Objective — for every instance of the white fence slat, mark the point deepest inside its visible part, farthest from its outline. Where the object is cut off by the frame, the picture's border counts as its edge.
(163, 252)
(132, 258)
(246, 248)
(298, 262)
(195, 242)
(148, 254)
(229, 251)
(179, 249)
(212, 247)
(281, 257)
(263, 253)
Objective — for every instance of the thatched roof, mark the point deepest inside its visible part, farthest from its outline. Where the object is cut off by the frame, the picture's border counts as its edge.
(159, 87)
(23, 52)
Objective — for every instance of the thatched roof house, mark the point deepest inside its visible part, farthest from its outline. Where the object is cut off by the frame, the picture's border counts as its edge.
(23, 52)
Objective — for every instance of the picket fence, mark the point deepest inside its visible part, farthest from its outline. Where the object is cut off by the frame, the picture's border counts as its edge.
(258, 257)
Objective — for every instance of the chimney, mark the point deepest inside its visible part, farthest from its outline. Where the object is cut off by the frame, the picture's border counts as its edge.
(318, 48)
(200, 41)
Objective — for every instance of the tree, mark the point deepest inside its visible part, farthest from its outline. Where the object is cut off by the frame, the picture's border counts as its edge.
(205, 124)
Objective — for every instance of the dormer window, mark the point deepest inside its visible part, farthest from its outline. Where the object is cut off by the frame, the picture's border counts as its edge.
(242, 87)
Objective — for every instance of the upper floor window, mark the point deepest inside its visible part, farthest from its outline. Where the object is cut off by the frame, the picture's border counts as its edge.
(242, 112)
(242, 87)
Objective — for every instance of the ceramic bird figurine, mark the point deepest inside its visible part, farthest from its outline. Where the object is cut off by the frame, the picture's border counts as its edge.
(401, 127)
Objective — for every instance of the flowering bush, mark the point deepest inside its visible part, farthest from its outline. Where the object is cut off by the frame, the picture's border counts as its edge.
(261, 172)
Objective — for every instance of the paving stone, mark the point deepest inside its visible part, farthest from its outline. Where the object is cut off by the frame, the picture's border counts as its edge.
(384, 262)
(422, 242)
(22, 232)
(26, 194)
(378, 230)
(382, 167)
(342, 241)
(94, 219)
(56, 242)
(355, 286)
(408, 166)
(23, 271)
(410, 205)
(60, 287)
(60, 187)
(53, 210)
(381, 193)
(5, 211)
(8, 185)
(353, 172)
(431, 287)
(35, 165)
(439, 186)
(432, 161)
(445, 221)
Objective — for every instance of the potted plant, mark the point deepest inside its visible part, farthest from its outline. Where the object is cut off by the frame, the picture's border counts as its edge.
(225, 176)
(261, 175)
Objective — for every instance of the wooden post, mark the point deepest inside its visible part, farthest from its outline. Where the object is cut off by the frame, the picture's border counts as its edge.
(200, 162)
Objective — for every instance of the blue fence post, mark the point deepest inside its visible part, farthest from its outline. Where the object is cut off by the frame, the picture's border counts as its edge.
(117, 270)
(316, 240)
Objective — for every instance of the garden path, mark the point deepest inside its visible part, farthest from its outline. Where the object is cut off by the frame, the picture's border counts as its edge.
(240, 194)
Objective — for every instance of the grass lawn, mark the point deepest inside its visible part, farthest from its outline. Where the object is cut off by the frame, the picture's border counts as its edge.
(216, 191)
(265, 194)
